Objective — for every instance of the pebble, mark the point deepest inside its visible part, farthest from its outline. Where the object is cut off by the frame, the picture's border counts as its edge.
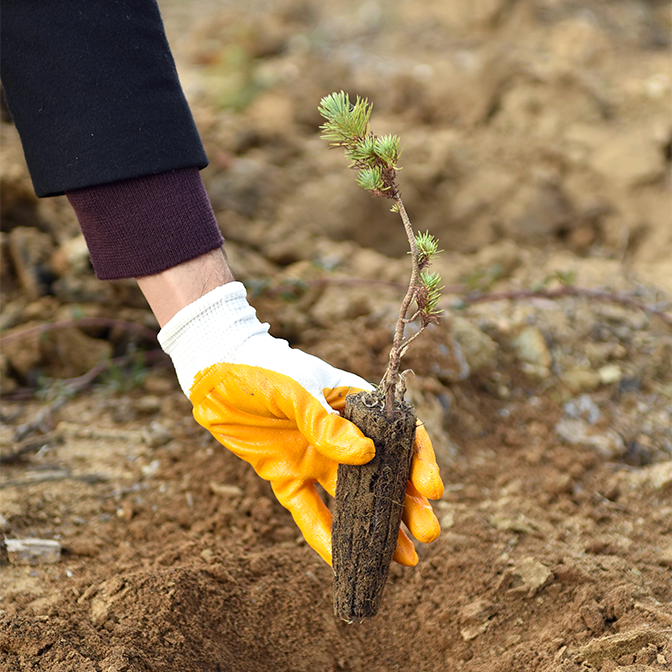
(224, 490)
(30, 250)
(534, 575)
(630, 159)
(148, 404)
(477, 611)
(447, 520)
(583, 407)
(580, 380)
(72, 256)
(473, 631)
(654, 476)
(158, 385)
(608, 444)
(478, 348)
(33, 551)
(149, 470)
(530, 346)
(157, 435)
(610, 374)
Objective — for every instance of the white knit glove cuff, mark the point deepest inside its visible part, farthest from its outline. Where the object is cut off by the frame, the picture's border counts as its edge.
(209, 330)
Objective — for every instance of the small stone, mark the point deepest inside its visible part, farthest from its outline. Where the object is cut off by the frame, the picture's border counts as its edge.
(70, 353)
(478, 348)
(31, 252)
(473, 631)
(610, 374)
(87, 594)
(24, 353)
(583, 407)
(580, 380)
(149, 470)
(505, 255)
(126, 511)
(158, 385)
(338, 304)
(665, 557)
(225, 490)
(658, 476)
(578, 40)
(630, 159)
(148, 404)
(535, 370)
(33, 551)
(447, 520)
(477, 612)
(607, 443)
(100, 609)
(534, 575)
(157, 435)
(530, 346)
(83, 289)
(71, 257)
(511, 525)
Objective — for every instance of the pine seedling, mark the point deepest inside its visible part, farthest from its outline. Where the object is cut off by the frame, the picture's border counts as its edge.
(376, 160)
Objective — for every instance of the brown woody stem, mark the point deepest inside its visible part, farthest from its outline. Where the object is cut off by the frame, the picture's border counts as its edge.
(390, 379)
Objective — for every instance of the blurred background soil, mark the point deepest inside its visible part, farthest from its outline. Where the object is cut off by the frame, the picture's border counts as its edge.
(537, 148)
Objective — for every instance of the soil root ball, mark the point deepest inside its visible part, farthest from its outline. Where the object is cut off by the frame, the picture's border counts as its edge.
(369, 505)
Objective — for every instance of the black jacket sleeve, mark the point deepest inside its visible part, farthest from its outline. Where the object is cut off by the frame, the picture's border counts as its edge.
(94, 93)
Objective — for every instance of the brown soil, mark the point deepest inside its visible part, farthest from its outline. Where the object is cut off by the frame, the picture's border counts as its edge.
(537, 148)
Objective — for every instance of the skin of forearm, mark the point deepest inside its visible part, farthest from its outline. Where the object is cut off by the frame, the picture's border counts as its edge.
(175, 288)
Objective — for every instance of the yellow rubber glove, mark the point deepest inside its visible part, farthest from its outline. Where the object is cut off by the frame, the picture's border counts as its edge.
(277, 408)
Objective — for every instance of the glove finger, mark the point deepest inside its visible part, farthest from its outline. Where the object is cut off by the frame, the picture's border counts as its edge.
(405, 553)
(335, 396)
(310, 515)
(418, 516)
(328, 480)
(333, 436)
(425, 474)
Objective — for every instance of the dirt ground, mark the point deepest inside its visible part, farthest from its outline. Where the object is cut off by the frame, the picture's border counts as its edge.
(537, 148)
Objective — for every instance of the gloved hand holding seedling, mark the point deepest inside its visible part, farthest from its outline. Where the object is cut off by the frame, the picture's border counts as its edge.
(370, 498)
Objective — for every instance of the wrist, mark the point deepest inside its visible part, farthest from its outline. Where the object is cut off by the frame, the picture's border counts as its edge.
(171, 290)
(211, 329)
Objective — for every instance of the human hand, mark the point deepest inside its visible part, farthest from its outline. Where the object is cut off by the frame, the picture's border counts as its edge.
(277, 408)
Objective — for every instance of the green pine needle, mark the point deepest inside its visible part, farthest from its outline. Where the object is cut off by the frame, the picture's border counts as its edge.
(431, 283)
(428, 247)
(371, 179)
(347, 126)
(363, 152)
(387, 149)
(345, 123)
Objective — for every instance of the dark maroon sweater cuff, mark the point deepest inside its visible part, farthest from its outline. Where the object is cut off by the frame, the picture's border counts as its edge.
(147, 224)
